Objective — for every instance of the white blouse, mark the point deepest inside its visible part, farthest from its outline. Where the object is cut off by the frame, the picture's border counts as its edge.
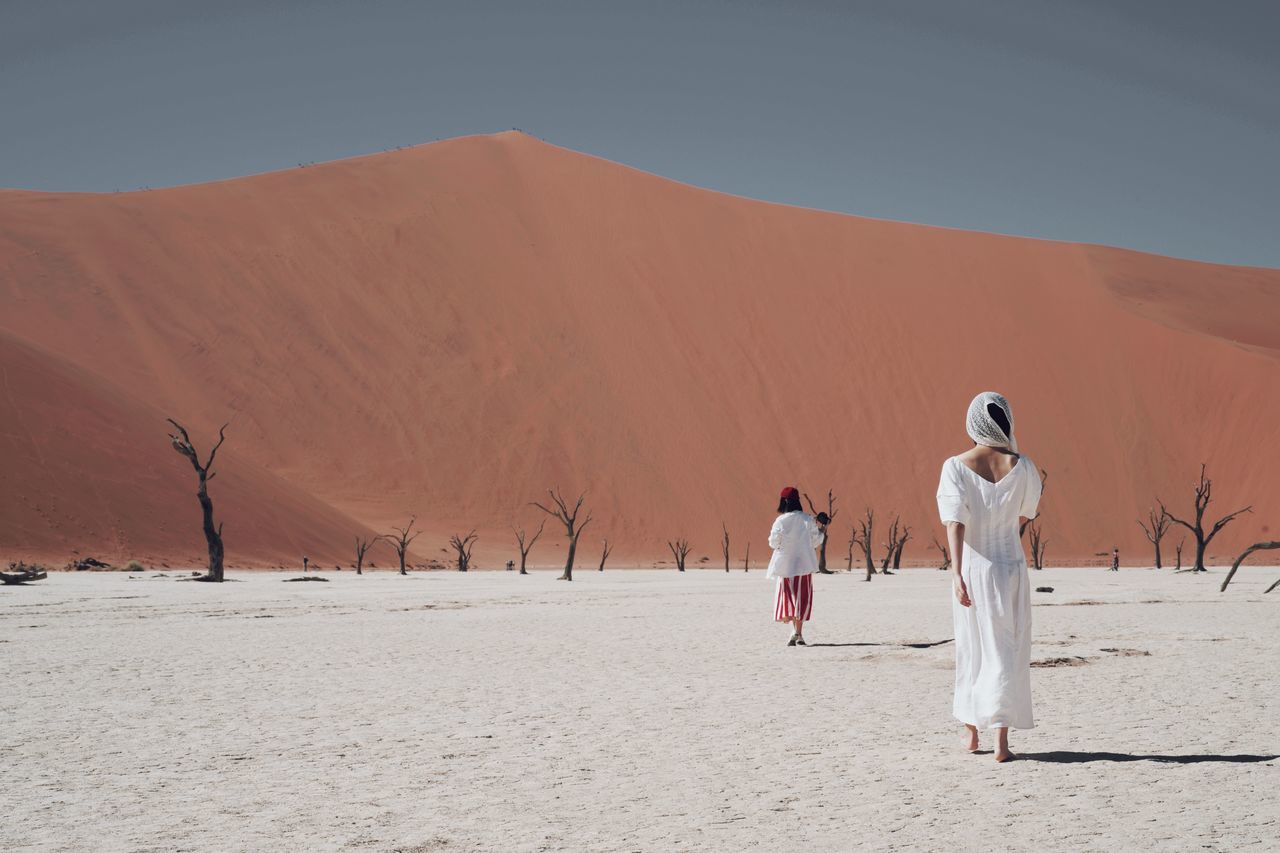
(793, 539)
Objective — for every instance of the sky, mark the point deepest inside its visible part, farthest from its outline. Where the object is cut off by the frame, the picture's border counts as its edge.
(1136, 123)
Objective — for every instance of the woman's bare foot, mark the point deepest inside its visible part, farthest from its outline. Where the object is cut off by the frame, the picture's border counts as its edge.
(1002, 746)
(971, 743)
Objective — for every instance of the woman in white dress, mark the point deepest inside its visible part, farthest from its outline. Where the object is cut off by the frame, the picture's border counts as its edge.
(984, 495)
(793, 538)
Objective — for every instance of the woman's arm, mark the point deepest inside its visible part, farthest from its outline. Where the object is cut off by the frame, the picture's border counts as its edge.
(955, 541)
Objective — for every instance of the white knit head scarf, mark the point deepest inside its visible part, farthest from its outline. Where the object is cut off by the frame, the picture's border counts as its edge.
(983, 429)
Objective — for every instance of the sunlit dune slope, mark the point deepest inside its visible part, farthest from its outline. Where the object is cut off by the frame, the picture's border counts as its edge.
(449, 330)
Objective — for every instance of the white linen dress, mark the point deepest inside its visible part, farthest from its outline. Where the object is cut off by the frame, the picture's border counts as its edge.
(993, 636)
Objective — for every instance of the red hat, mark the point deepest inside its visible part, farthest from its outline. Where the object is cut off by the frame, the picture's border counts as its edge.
(791, 492)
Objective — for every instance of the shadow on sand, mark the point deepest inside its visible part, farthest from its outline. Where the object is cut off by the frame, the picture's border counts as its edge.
(1062, 757)
(890, 645)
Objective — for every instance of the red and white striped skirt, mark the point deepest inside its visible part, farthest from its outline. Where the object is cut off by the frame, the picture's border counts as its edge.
(794, 598)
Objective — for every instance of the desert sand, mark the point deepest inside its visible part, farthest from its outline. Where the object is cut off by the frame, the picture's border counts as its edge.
(634, 710)
(451, 329)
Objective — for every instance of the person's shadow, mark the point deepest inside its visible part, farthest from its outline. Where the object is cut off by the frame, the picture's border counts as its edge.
(926, 645)
(1066, 757)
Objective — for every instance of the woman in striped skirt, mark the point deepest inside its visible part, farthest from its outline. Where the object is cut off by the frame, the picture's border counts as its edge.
(794, 537)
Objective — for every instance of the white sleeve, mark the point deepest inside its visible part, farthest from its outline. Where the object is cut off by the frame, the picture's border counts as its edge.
(952, 505)
(775, 534)
(1031, 492)
(815, 532)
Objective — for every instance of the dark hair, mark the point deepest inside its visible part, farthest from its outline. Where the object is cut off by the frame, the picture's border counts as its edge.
(1001, 419)
(790, 504)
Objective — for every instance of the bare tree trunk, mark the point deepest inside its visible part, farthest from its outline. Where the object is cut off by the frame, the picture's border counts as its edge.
(362, 547)
(212, 535)
(572, 528)
(724, 545)
(605, 554)
(865, 537)
(1038, 545)
(462, 546)
(831, 513)
(1178, 568)
(568, 563)
(680, 550)
(526, 544)
(181, 442)
(946, 556)
(889, 546)
(1154, 529)
(746, 560)
(401, 540)
(902, 542)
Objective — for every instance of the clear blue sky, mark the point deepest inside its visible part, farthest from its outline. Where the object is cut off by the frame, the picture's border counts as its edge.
(1153, 125)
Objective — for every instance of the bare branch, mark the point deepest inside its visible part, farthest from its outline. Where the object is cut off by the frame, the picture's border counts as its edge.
(1223, 522)
(222, 436)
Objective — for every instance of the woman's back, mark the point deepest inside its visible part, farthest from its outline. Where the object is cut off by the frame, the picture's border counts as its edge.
(988, 507)
(793, 537)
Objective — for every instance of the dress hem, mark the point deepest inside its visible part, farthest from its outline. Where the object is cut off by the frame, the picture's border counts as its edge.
(991, 726)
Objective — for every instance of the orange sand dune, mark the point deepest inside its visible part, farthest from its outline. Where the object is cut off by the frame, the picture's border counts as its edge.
(450, 329)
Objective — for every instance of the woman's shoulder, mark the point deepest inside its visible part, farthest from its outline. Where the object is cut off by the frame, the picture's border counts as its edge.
(797, 516)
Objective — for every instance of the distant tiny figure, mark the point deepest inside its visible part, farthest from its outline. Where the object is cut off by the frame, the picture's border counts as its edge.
(1115, 559)
(794, 537)
(511, 564)
(305, 563)
(983, 495)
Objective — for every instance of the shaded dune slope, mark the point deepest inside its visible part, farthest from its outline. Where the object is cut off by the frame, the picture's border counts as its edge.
(87, 472)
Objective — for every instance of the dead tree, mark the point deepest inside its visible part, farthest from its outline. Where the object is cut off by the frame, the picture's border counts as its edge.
(942, 549)
(831, 514)
(746, 560)
(1257, 546)
(572, 527)
(526, 543)
(1154, 527)
(724, 546)
(212, 535)
(903, 536)
(401, 539)
(862, 536)
(679, 550)
(1204, 490)
(363, 544)
(1178, 551)
(1038, 544)
(604, 555)
(889, 546)
(462, 546)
